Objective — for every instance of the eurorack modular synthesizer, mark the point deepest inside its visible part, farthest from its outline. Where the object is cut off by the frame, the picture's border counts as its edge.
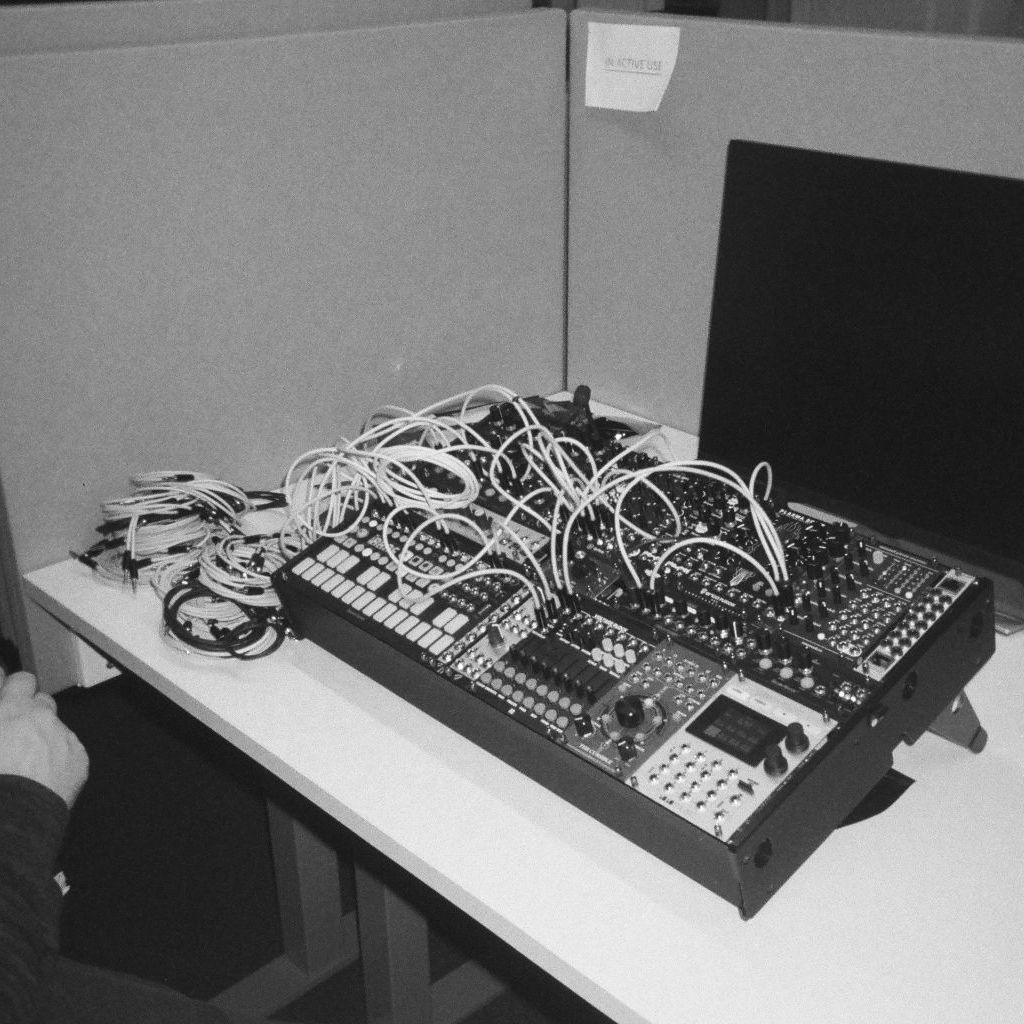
(716, 676)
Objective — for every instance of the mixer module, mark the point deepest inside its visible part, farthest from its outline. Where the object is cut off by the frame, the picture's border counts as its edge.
(717, 676)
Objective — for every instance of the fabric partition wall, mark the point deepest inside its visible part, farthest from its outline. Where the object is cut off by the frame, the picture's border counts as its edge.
(89, 26)
(217, 255)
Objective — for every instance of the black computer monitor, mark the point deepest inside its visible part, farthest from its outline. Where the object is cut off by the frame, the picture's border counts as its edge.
(867, 339)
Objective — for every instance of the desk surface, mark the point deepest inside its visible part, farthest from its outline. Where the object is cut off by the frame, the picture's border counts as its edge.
(916, 915)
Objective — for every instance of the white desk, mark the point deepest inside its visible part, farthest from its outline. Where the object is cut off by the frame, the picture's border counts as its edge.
(916, 915)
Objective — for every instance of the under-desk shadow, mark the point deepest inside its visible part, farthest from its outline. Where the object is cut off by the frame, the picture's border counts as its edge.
(169, 859)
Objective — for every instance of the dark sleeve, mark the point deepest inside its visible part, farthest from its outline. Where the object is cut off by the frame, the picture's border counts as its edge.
(32, 823)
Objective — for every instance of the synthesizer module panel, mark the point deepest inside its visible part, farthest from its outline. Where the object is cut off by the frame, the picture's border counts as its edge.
(635, 642)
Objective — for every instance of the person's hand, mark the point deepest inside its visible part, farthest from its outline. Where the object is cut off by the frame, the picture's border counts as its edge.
(34, 743)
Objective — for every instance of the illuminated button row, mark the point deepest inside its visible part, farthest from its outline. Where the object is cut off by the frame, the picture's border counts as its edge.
(361, 595)
(542, 700)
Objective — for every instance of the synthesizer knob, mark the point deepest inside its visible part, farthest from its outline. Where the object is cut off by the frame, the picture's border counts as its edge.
(815, 564)
(862, 559)
(626, 748)
(783, 649)
(630, 712)
(785, 599)
(584, 725)
(775, 764)
(804, 661)
(838, 539)
(796, 739)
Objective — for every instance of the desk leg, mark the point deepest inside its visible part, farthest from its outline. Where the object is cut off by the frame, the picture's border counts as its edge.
(395, 956)
(394, 940)
(318, 940)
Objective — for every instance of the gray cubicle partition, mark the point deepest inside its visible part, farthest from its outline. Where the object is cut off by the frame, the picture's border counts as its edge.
(645, 188)
(217, 255)
(89, 26)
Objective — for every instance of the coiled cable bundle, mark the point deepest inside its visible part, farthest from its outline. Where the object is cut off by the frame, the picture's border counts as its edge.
(239, 568)
(197, 619)
(181, 532)
(166, 519)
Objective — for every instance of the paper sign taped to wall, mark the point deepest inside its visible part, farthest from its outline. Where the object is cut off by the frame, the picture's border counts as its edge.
(629, 66)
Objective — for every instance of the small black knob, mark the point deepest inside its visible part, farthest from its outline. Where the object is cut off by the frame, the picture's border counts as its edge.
(862, 558)
(775, 763)
(785, 599)
(783, 649)
(838, 539)
(584, 725)
(796, 739)
(815, 563)
(630, 712)
(581, 398)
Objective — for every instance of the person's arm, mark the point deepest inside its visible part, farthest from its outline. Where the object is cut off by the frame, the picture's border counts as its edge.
(42, 770)
(32, 822)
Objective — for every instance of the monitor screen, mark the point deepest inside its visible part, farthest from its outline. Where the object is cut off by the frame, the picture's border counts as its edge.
(867, 339)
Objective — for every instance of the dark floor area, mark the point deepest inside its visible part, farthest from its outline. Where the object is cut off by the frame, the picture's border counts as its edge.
(167, 852)
(168, 857)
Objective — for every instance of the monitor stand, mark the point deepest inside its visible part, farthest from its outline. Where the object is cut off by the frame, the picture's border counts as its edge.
(959, 724)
